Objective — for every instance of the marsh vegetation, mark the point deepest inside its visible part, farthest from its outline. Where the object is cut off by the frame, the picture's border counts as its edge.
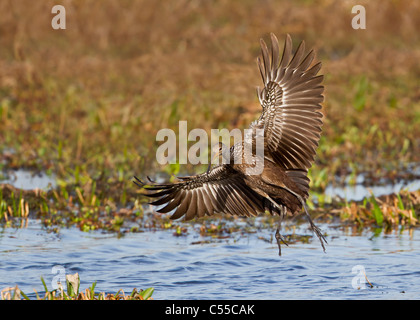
(83, 105)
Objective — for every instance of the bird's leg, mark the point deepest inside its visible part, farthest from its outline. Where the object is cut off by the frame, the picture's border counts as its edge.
(279, 237)
(313, 226)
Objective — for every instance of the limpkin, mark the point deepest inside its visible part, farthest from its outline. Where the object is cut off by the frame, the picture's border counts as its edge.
(291, 123)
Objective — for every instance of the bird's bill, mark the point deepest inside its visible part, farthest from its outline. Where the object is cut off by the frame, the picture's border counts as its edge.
(215, 155)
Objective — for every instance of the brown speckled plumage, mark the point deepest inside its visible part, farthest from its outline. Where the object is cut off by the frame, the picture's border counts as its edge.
(291, 122)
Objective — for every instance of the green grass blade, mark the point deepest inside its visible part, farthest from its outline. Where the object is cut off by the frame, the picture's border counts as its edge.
(376, 211)
(24, 295)
(45, 286)
(400, 203)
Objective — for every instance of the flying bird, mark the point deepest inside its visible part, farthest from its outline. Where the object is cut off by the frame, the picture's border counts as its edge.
(290, 123)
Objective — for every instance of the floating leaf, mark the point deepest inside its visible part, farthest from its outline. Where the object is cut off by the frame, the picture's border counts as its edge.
(146, 294)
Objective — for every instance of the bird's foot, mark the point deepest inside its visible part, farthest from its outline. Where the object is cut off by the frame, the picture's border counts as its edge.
(280, 239)
(318, 233)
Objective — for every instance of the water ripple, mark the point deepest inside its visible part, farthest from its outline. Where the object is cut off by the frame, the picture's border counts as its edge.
(243, 268)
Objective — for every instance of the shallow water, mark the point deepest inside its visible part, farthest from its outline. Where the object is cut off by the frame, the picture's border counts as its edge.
(241, 267)
(360, 190)
(28, 180)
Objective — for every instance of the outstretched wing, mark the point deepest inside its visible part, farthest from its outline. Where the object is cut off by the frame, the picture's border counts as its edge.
(222, 190)
(291, 102)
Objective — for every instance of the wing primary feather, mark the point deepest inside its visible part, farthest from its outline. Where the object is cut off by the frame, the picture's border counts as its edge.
(261, 68)
(306, 62)
(294, 63)
(182, 208)
(287, 51)
(266, 61)
(275, 55)
(201, 208)
(174, 203)
(207, 201)
(192, 205)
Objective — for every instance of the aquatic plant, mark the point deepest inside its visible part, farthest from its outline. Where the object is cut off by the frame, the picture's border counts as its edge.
(91, 118)
(73, 292)
(390, 211)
